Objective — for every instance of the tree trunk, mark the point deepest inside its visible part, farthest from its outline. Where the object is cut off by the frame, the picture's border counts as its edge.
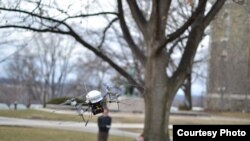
(188, 92)
(156, 118)
(44, 99)
(45, 93)
(155, 96)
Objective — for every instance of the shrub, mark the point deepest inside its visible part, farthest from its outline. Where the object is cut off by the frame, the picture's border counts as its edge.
(61, 100)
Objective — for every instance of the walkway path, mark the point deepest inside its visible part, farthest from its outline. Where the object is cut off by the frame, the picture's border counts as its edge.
(66, 125)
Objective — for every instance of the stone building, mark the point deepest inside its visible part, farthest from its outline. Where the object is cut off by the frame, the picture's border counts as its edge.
(228, 85)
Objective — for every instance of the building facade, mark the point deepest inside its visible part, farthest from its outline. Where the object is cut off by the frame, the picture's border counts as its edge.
(228, 85)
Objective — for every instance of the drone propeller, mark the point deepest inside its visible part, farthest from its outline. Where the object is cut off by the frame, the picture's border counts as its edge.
(71, 101)
(115, 101)
(113, 95)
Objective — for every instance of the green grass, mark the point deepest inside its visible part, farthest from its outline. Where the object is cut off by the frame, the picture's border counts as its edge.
(36, 114)
(218, 118)
(6, 132)
(233, 114)
(10, 133)
(128, 119)
(205, 120)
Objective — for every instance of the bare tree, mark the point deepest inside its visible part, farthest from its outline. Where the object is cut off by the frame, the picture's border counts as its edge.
(158, 85)
(22, 73)
(92, 71)
(54, 55)
(40, 70)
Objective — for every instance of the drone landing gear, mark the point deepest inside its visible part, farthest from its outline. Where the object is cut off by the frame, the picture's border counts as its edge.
(96, 108)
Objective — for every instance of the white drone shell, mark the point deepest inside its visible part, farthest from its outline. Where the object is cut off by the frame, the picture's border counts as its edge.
(94, 96)
(73, 103)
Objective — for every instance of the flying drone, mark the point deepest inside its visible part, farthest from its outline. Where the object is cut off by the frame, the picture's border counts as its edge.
(95, 101)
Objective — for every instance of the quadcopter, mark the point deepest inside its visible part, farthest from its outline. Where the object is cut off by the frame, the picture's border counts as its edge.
(95, 102)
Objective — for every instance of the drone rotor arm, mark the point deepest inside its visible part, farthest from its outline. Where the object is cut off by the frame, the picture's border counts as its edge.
(83, 118)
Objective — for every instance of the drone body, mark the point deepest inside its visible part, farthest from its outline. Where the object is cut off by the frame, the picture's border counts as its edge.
(94, 100)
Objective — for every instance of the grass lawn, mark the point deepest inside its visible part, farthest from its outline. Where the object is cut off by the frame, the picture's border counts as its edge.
(38, 114)
(10, 133)
(233, 114)
(5, 132)
(217, 118)
(189, 120)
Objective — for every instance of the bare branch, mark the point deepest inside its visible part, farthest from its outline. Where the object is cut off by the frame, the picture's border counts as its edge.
(184, 27)
(138, 16)
(135, 49)
(105, 30)
(195, 35)
(53, 30)
(105, 58)
(14, 53)
(92, 14)
(158, 17)
(213, 11)
(71, 32)
(58, 22)
(171, 49)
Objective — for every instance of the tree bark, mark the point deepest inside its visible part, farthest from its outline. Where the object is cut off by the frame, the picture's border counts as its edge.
(188, 92)
(155, 96)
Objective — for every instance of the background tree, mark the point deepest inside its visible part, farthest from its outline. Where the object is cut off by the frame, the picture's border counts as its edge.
(39, 70)
(22, 73)
(153, 51)
(53, 58)
(92, 71)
